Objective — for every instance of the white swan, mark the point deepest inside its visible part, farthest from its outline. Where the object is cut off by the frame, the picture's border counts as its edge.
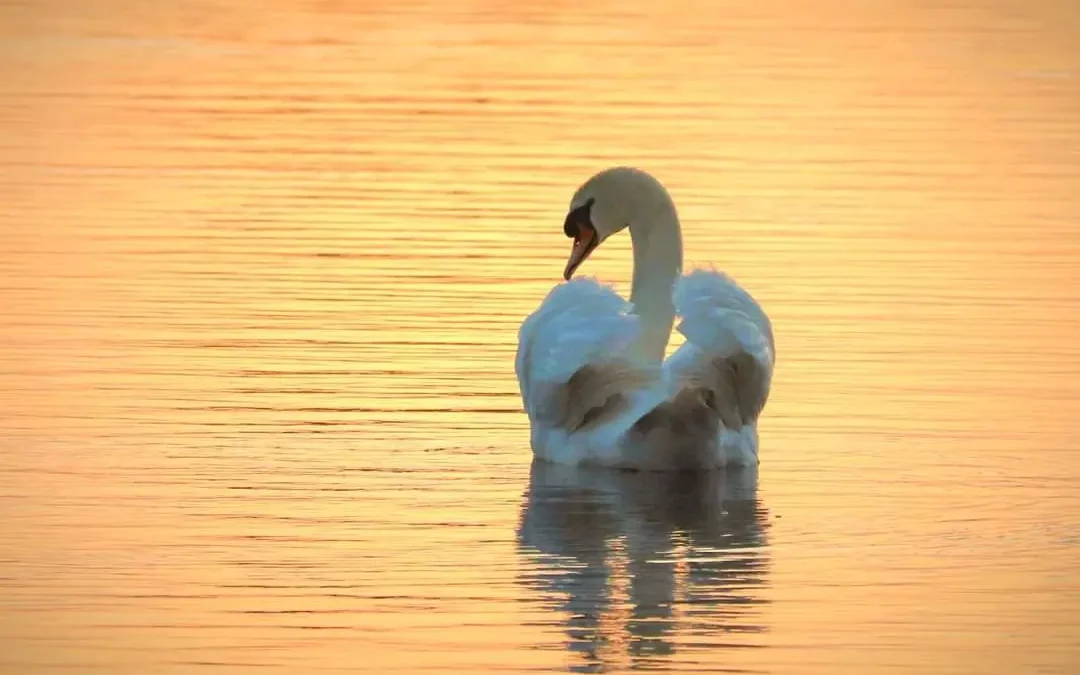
(591, 366)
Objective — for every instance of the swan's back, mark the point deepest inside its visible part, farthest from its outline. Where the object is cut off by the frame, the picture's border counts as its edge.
(590, 403)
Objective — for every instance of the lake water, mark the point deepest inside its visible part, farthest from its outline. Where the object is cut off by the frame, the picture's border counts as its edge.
(262, 267)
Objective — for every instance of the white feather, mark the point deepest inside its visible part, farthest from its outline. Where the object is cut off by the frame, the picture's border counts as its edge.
(578, 323)
(719, 317)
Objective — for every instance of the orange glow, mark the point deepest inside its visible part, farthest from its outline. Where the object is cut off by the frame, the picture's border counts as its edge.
(262, 267)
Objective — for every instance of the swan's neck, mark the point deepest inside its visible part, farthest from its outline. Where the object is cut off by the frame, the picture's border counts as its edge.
(657, 247)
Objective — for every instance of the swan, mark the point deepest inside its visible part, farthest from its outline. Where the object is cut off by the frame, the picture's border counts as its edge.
(590, 365)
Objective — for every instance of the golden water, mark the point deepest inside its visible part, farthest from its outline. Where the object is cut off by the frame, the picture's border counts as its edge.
(262, 266)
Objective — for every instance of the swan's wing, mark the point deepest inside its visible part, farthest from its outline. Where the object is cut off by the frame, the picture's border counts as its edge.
(729, 353)
(570, 360)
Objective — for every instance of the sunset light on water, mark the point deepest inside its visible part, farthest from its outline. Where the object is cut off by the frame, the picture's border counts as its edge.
(263, 270)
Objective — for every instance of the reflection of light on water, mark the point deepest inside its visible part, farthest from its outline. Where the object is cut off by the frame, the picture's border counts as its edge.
(615, 619)
(680, 549)
(640, 566)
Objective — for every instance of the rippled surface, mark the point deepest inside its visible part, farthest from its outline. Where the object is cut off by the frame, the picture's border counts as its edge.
(262, 267)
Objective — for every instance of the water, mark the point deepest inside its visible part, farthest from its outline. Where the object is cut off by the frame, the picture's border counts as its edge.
(262, 269)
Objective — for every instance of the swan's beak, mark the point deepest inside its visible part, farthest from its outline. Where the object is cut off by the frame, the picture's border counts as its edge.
(584, 243)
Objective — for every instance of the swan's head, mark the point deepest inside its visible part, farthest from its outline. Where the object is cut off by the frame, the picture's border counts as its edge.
(610, 201)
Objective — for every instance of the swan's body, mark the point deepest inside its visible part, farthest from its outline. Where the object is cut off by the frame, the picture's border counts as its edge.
(591, 365)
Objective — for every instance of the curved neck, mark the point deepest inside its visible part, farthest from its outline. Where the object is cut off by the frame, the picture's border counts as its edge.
(657, 244)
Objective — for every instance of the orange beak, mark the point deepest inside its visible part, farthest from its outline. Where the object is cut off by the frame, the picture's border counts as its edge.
(584, 243)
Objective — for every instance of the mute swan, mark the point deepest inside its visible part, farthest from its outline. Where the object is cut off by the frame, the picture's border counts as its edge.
(591, 366)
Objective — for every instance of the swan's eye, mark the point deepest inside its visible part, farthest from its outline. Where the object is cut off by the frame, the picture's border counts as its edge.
(578, 219)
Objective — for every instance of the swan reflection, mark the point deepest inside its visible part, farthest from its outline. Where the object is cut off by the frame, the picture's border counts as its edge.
(640, 562)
